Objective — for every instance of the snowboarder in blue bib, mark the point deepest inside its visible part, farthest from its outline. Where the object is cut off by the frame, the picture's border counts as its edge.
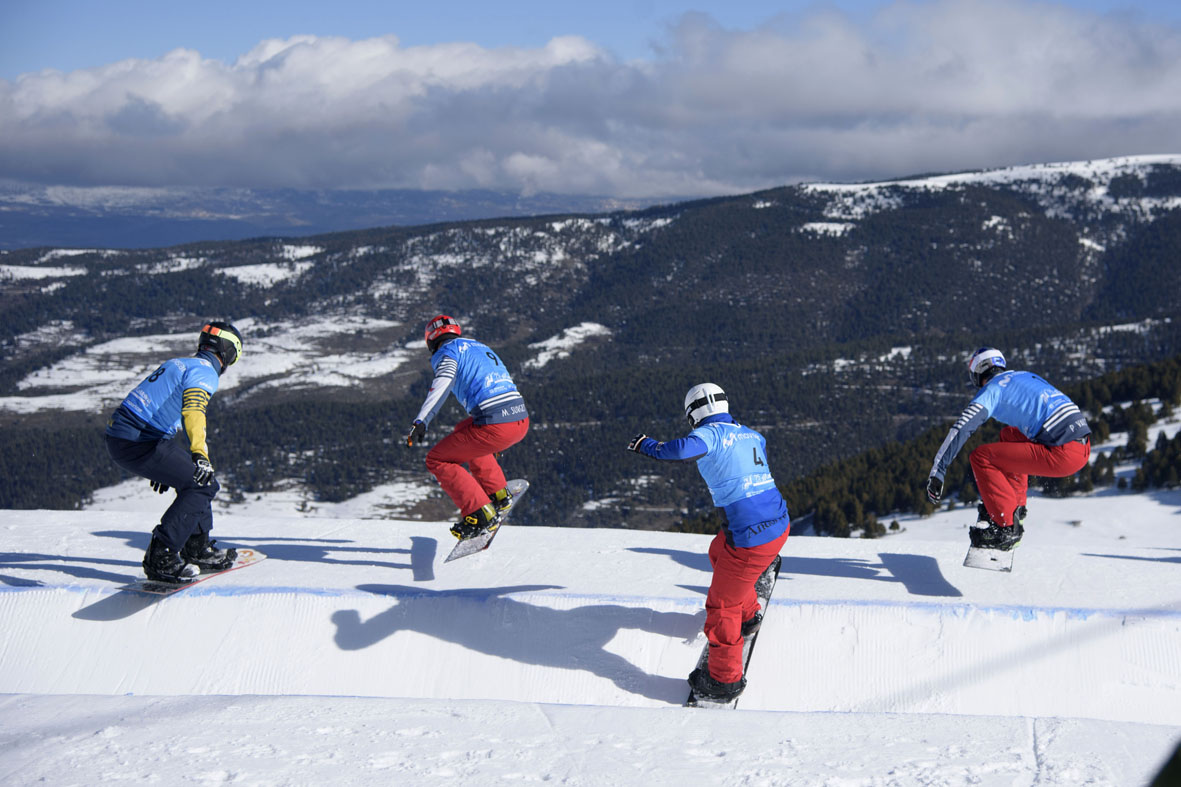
(497, 420)
(732, 459)
(1046, 435)
(139, 438)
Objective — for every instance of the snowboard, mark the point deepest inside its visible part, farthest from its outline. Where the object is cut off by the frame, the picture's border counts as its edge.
(470, 546)
(763, 589)
(989, 559)
(246, 557)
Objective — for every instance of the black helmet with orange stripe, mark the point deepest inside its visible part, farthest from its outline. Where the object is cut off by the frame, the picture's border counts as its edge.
(223, 340)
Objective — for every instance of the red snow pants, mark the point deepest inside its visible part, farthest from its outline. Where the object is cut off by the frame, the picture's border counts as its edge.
(1002, 469)
(732, 599)
(474, 446)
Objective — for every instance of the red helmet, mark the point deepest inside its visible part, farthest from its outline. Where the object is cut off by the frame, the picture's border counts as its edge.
(439, 327)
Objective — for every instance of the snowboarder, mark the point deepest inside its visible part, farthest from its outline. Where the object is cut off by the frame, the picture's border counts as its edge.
(497, 419)
(1046, 435)
(139, 439)
(732, 460)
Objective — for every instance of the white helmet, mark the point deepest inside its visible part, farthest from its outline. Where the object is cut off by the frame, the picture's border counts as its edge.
(703, 401)
(984, 361)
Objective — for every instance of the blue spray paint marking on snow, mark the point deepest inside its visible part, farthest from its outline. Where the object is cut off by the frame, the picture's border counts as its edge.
(1027, 613)
(1015, 611)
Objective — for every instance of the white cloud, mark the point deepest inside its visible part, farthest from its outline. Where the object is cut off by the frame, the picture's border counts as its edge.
(944, 85)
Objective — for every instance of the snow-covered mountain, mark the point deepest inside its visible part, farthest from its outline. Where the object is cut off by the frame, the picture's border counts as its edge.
(838, 313)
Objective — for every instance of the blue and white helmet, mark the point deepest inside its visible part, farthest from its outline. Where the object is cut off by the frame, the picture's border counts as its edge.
(985, 361)
(704, 400)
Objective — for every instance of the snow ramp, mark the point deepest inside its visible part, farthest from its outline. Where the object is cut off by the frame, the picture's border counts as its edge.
(367, 608)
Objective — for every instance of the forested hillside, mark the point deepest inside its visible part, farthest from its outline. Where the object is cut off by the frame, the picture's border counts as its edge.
(838, 317)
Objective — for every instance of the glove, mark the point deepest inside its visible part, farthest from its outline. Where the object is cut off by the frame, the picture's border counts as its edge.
(417, 433)
(202, 470)
(934, 489)
(636, 442)
(158, 487)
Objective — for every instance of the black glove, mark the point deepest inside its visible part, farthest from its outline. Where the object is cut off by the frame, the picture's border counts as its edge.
(636, 442)
(934, 489)
(417, 433)
(158, 487)
(202, 470)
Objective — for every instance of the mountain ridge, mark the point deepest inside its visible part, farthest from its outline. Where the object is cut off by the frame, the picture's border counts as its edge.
(835, 327)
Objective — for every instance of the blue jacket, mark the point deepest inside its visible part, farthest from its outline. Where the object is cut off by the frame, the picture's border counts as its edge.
(479, 380)
(732, 459)
(153, 409)
(1022, 399)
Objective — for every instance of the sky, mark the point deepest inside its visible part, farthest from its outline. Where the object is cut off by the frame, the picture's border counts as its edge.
(649, 98)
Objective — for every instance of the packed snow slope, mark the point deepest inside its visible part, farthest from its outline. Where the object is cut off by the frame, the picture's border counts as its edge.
(877, 656)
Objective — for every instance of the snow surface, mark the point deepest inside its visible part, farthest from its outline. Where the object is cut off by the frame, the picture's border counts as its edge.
(832, 228)
(266, 274)
(854, 201)
(299, 252)
(354, 655)
(560, 346)
(25, 272)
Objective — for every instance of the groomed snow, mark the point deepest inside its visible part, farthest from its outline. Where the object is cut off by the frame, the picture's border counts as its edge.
(354, 655)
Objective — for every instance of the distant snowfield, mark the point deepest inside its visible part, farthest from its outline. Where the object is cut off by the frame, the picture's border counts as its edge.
(1099, 169)
(291, 498)
(286, 355)
(293, 264)
(853, 201)
(832, 228)
(21, 272)
(354, 654)
(563, 344)
(98, 378)
(266, 274)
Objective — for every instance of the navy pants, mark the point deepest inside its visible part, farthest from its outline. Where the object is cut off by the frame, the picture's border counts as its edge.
(169, 462)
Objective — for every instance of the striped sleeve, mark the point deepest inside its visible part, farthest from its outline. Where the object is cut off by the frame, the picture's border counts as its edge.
(440, 387)
(194, 402)
(971, 419)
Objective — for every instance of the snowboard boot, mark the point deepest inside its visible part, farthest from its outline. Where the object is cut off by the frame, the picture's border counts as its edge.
(750, 627)
(986, 534)
(706, 688)
(164, 564)
(481, 520)
(502, 501)
(200, 550)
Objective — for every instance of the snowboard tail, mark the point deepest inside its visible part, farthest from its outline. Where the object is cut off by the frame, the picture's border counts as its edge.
(470, 546)
(246, 557)
(990, 559)
(764, 586)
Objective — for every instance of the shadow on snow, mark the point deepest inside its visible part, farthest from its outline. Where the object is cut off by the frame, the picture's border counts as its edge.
(919, 574)
(484, 620)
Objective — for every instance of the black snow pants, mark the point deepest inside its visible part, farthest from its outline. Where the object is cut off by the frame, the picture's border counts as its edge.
(169, 462)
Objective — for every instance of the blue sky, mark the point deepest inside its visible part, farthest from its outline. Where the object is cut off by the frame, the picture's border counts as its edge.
(637, 98)
(73, 34)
